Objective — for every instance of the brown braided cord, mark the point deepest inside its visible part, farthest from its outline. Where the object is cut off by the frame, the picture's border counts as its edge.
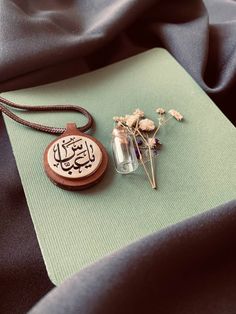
(40, 127)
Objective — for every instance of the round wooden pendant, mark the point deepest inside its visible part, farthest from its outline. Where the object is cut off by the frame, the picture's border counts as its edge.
(75, 160)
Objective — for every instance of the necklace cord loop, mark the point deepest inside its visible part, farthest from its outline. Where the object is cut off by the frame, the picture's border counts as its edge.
(43, 128)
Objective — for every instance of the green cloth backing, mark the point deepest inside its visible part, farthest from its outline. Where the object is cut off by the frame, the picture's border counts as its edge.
(195, 169)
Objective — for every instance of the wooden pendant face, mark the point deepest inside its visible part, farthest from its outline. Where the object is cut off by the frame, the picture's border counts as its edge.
(74, 156)
(75, 160)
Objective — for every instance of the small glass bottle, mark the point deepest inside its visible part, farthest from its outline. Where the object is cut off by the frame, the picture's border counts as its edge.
(124, 155)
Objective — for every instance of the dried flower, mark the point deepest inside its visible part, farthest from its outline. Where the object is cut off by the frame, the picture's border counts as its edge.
(138, 113)
(130, 120)
(119, 119)
(152, 142)
(160, 111)
(178, 116)
(146, 125)
(147, 145)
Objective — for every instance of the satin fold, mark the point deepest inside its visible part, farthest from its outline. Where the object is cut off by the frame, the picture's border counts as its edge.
(189, 268)
(51, 40)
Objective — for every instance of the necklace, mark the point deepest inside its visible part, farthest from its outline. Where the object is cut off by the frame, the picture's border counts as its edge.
(74, 160)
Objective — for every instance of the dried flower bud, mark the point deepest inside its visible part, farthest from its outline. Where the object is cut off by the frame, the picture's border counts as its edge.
(178, 116)
(138, 113)
(146, 125)
(119, 119)
(130, 120)
(160, 111)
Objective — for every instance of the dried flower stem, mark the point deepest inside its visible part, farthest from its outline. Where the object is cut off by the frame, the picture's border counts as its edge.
(146, 142)
(157, 129)
(152, 168)
(167, 119)
(140, 155)
(150, 154)
(159, 126)
(141, 159)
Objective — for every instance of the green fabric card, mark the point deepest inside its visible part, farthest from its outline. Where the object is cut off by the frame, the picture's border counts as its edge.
(195, 169)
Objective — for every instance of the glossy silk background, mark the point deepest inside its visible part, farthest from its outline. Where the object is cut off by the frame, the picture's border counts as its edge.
(186, 269)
